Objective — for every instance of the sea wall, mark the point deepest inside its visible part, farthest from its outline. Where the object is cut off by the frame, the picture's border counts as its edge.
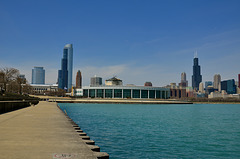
(86, 139)
(8, 106)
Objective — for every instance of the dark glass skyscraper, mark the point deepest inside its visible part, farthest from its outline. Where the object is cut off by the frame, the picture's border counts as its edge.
(229, 86)
(196, 77)
(65, 74)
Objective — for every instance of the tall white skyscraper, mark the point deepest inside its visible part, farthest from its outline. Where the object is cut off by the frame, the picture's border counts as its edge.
(216, 81)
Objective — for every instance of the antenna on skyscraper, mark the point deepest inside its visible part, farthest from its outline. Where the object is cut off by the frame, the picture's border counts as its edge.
(195, 55)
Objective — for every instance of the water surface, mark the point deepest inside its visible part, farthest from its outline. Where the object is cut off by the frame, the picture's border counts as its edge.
(161, 131)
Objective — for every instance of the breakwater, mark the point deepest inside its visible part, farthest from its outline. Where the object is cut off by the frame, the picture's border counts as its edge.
(123, 101)
(8, 106)
(44, 132)
(86, 139)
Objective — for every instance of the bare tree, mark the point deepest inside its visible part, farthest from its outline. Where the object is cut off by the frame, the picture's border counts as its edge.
(8, 75)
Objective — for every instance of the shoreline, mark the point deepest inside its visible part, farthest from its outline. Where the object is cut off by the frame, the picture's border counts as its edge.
(44, 131)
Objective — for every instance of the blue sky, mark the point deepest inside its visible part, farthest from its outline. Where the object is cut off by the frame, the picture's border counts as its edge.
(135, 40)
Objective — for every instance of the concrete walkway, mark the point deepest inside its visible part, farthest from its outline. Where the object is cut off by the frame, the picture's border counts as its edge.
(40, 132)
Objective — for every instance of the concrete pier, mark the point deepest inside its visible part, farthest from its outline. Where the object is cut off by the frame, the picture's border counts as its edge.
(43, 132)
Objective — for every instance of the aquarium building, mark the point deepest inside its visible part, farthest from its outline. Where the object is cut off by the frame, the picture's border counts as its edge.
(137, 92)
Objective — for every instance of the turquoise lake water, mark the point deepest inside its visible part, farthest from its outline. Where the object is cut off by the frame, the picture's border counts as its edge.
(161, 131)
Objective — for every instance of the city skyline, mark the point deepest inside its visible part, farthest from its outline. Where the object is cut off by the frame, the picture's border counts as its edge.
(152, 41)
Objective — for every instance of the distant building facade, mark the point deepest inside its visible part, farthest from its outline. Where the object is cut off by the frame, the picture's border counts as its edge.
(184, 82)
(196, 77)
(201, 87)
(65, 74)
(136, 92)
(148, 84)
(79, 79)
(208, 83)
(217, 81)
(229, 86)
(42, 88)
(113, 82)
(95, 81)
(38, 75)
(238, 80)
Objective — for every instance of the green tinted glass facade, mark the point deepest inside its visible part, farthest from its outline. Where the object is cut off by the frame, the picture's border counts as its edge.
(151, 93)
(135, 93)
(92, 93)
(117, 93)
(108, 93)
(144, 93)
(163, 94)
(127, 93)
(85, 93)
(100, 93)
(158, 94)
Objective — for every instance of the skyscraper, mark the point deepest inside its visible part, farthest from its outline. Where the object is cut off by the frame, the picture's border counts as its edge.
(201, 87)
(216, 81)
(229, 86)
(238, 80)
(196, 77)
(183, 77)
(96, 81)
(184, 82)
(79, 79)
(38, 75)
(65, 74)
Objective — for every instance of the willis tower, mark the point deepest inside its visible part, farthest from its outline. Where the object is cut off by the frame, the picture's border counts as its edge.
(196, 77)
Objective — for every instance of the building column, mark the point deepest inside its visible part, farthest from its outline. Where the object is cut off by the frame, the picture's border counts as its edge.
(140, 94)
(122, 93)
(112, 93)
(88, 93)
(103, 93)
(161, 95)
(131, 93)
(148, 94)
(95, 93)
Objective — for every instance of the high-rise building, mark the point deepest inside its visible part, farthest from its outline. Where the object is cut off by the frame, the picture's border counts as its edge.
(96, 81)
(238, 80)
(229, 86)
(79, 79)
(201, 87)
(65, 74)
(196, 77)
(216, 81)
(184, 82)
(183, 77)
(38, 75)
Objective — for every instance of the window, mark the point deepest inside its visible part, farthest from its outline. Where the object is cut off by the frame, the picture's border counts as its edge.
(108, 93)
(136, 93)
(117, 93)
